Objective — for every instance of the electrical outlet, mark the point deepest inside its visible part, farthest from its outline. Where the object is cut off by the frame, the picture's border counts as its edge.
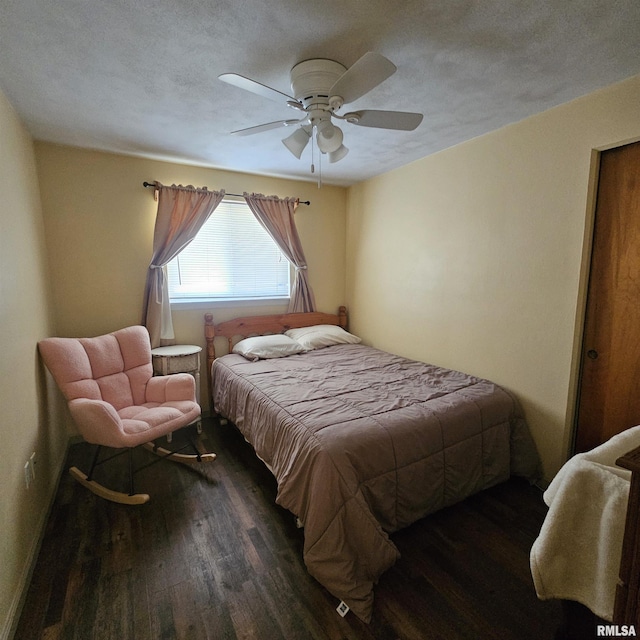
(32, 464)
(27, 473)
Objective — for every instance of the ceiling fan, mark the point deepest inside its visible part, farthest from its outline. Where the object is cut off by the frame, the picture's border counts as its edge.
(320, 89)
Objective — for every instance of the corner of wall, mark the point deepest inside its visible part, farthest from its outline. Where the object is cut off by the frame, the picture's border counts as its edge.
(29, 423)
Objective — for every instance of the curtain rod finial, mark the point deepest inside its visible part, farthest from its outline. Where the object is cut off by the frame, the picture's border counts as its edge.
(155, 187)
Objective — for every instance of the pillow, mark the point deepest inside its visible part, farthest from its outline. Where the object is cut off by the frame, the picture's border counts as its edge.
(321, 335)
(275, 346)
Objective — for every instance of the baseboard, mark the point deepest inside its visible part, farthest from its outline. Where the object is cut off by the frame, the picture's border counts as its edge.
(15, 609)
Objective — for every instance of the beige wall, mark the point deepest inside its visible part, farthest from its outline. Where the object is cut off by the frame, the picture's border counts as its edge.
(99, 223)
(475, 258)
(30, 417)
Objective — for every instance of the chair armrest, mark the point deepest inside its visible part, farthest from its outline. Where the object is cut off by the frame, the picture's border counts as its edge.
(174, 387)
(97, 421)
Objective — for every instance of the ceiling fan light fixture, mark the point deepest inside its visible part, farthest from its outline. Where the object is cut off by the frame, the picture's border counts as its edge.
(338, 154)
(297, 142)
(329, 137)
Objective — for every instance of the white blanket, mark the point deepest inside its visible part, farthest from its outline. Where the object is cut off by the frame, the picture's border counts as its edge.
(577, 554)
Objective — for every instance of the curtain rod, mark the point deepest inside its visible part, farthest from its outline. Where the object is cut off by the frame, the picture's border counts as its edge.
(237, 195)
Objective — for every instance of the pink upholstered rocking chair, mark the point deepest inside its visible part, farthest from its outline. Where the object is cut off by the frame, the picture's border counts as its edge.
(115, 400)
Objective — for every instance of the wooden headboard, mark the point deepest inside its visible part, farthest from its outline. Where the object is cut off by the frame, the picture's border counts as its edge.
(238, 328)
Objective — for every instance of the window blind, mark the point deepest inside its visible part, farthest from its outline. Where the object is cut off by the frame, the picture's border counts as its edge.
(231, 258)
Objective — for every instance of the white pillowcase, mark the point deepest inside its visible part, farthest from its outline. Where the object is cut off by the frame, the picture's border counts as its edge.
(321, 335)
(275, 346)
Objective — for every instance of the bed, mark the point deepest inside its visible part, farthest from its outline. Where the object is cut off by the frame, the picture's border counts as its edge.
(362, 442)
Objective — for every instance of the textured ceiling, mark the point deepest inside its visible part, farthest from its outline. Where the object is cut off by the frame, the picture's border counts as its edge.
(140, 77)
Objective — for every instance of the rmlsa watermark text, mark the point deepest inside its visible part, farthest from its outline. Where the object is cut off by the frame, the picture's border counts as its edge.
(616, 631)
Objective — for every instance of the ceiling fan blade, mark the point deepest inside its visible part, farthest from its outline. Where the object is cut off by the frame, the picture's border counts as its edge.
(266, 127)
(400, 120)
(368, 72)
(255, 87)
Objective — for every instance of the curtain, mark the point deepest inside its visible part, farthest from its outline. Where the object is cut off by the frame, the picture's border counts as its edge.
(181, 213)
(276, 216)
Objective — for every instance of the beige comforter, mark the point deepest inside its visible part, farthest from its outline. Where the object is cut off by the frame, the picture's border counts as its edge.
(363, 443)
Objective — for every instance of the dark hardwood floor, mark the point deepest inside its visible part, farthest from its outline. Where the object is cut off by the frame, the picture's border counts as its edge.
(212, 556)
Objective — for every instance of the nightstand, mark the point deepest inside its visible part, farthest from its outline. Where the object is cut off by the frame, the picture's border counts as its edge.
(179, 358)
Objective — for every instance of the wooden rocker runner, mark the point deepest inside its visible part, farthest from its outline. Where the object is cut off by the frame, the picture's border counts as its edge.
(116, 402)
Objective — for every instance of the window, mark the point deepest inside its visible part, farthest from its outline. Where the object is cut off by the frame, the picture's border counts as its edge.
(231, 258)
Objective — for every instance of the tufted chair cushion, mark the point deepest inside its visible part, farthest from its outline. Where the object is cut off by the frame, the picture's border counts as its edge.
(112, 394)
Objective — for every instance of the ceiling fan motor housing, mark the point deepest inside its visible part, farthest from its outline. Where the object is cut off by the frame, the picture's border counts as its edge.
(311, 80)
